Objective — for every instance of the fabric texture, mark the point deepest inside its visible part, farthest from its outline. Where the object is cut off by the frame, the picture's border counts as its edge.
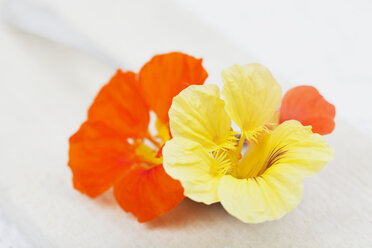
(45, 91)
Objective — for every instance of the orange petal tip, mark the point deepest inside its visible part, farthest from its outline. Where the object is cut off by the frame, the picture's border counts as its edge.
(148, 193)
(307, 105)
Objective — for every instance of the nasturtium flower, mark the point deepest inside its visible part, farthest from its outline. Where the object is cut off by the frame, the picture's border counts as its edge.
(260, 183)
(114, 146)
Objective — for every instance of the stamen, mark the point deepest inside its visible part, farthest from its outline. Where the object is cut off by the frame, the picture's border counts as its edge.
(147, 155)
(223, 160)
(229, 142)
(227, 160)
(153, 141)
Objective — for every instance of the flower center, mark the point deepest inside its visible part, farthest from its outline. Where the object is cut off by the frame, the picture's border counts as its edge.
(149, 149)
(227, 161)
(258, 158)
(148, 156)
(254, 161)
(228, 156)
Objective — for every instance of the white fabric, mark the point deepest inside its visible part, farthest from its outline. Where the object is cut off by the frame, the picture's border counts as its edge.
(45, 90)
(317, 42)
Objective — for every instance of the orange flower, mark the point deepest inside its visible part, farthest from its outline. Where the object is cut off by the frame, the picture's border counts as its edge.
(114, 147)
(305, 104)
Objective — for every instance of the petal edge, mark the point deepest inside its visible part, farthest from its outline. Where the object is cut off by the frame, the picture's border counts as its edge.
(305, 104)
(148, 193)
(164, 76)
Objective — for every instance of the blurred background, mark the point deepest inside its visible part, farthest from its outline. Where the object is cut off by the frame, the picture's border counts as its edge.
(322, 43)
(55, 56)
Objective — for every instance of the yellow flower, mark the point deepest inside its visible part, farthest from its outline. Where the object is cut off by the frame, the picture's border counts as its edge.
(205, 153)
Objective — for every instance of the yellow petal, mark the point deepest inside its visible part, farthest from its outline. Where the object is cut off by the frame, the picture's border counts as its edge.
(308, 152)
(269, 178)
(252, 97)
(194, 167)
(290, 143)
(264, 198)
(198, 113)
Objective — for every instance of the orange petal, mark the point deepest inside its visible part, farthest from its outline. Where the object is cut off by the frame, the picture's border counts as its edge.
(120, 106)
(98, 158)
(99, 152)
(164, 76)
(148, 193)
(305, 104)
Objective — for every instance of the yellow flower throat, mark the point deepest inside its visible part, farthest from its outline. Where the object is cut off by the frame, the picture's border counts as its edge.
(230, 161)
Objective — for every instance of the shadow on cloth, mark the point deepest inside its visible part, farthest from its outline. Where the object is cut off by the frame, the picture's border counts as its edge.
(188, 213)
(184, 214)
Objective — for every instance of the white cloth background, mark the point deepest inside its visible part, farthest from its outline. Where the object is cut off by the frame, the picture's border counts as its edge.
(326, 43)
(45, 90)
